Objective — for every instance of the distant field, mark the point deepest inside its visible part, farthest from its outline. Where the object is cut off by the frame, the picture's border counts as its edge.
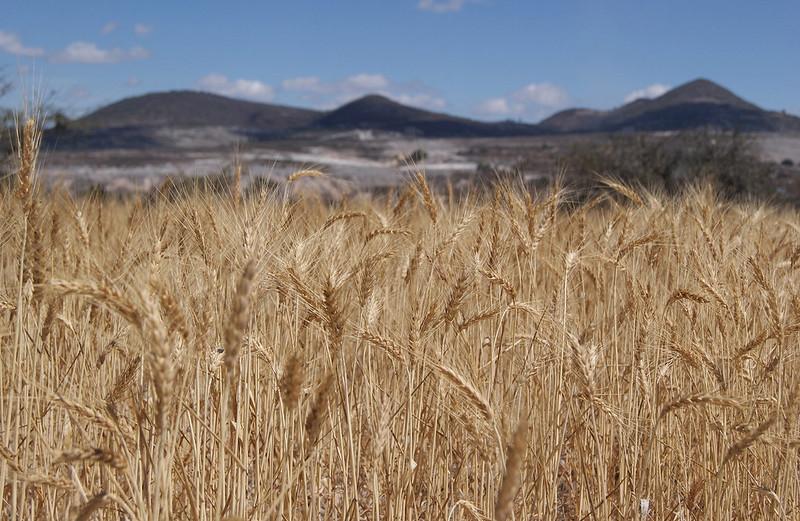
(417, 355)
(356, 161)
(134, 143)
(364, 159)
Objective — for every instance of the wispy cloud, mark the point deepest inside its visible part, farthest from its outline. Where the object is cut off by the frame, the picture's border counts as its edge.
(239, 88)
(11, 44)
(87, 52)
(132, 81)
(535, 100)
(76, 52)
(329, 94)
(365, 82)
(651, 91)
(441, 6)
(422, 100)
(109, 27)
(302, 84)
(351, 86)
(495, 107)
(542, 94)
(142, 29)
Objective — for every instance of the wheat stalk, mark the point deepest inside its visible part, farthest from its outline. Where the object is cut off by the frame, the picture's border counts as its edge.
(292, 381)
(308, 172)
(237, 320)
(469, 391)
(699, 400)
(95, 454)
(427, 196)
(28, 140)
(318, 409)
(512, 478)
(749, 439)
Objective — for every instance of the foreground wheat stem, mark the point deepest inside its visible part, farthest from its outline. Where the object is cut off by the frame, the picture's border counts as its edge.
(234, 331)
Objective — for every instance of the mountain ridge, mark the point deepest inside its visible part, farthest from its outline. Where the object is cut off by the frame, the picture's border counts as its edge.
(698, 103)
(376, 112)
(187, 108)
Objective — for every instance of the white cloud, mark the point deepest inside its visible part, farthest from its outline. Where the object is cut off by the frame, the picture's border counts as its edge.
(352, 86)
(543, 94)
(10, 43)
(332, 94)
(87, 52)
(109, 27)
(442, 6)
(651, 91)
(240, 88)
(303, 84)
(533, 101)
(495, 107)
(366, 82)
(427, 101)
(142, 29)
(132, 81)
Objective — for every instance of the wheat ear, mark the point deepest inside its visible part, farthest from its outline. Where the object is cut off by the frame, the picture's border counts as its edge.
(512, 479)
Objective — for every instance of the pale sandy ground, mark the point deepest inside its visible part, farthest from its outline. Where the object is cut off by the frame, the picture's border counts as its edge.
(361, 160)
(365, 164)
(272, 164)
(780, 147)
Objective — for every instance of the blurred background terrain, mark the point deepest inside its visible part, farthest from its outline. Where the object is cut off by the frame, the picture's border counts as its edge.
(699, 130)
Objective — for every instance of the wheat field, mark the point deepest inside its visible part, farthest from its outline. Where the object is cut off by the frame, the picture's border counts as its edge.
(503, 355)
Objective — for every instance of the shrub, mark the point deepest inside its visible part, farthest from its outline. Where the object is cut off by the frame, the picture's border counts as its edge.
(670, 163)
(417, 156)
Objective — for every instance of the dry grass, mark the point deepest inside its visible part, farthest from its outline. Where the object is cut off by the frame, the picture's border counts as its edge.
(505, 357)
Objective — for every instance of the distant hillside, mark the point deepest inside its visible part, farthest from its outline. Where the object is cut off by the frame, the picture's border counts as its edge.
(574, 120)
(199, 109)
(381, 113)
(194, 109)
(699, 103)
(186, 118)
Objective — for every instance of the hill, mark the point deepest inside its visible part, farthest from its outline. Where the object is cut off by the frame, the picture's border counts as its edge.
(195, 109)
(181, 109)
(154, 119)
(699, 103)
(381, 113)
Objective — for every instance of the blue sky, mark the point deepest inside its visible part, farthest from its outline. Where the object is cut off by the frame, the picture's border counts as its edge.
(489, 59)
